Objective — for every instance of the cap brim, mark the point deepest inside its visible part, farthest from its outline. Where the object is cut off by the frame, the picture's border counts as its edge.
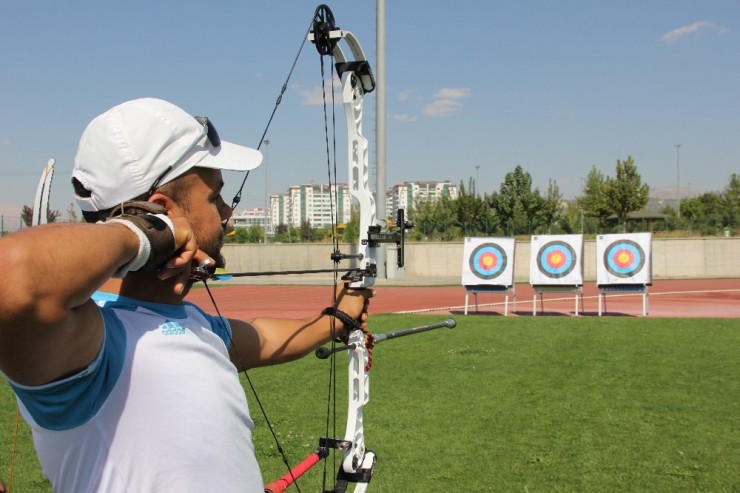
(232, 157)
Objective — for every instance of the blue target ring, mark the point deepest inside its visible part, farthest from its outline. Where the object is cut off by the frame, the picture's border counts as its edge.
(488, 261)
(624, 258)
(556, 259)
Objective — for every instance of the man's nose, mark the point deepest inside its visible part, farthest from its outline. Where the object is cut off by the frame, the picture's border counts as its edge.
(228, 225)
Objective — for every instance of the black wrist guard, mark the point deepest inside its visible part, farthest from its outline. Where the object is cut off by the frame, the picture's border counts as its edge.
(156, 241)
(348, 322)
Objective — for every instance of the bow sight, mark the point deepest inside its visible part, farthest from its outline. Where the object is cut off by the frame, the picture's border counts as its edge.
(397, 235)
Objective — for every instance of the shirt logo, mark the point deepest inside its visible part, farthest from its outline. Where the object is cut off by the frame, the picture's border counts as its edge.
(171, 328)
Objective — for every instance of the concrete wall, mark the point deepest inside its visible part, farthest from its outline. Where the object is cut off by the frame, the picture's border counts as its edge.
(689, 258)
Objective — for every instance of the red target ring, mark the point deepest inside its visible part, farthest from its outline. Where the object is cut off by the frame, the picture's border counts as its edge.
(624, 258)
(556, 259)
(488, 261)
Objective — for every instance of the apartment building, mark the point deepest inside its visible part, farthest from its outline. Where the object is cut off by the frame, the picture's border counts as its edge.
(313, 203)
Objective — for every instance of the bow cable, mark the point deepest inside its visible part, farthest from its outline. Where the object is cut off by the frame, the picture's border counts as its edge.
(331, 158)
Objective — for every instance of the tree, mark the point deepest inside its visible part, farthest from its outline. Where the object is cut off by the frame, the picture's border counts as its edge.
(594, 201)
(27, 215)
(731, 196)
(444, 220)
(472, 214)
(285, 234)
(625, 192)
(351, 231)
(72, 213)
(551, 207)
(672, 221)
(434, 219)
(240, 235)
(255, 234)
(423, 216)
(516, 204)
(705, 213)
(571, 219)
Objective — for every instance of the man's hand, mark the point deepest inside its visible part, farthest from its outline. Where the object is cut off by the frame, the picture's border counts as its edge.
(179, 266)
(354, 302)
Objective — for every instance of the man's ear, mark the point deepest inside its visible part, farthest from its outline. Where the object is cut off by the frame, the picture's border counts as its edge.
(164, 201)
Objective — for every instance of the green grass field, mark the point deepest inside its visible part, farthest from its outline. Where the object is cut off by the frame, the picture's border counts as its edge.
(514, 404)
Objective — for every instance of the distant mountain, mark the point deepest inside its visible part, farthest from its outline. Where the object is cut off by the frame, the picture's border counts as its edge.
(668, 196)
(669, 193)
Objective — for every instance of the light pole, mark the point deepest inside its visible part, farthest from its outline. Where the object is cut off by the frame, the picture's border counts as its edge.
(580, 207)
(678, 179)
(267, 197)
(476, 181)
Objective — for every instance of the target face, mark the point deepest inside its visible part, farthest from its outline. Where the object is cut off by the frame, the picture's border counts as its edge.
(488, 261)
(556, 259)
(624, 258)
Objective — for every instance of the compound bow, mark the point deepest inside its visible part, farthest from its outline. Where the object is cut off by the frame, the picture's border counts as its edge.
(357, 79)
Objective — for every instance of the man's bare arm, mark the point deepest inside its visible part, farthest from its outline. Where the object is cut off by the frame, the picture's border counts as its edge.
(268, 341)
(49, 327)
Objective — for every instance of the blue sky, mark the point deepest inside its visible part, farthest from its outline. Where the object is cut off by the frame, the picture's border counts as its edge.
(557, 87)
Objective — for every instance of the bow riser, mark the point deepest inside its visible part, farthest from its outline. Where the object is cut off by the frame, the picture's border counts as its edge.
(359, 176)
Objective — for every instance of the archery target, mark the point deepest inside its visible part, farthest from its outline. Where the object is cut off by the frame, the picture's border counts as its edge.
(556, 259)
(488, 261)
(624, 258)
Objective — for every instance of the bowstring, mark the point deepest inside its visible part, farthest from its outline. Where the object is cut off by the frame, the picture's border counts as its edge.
(331, 162)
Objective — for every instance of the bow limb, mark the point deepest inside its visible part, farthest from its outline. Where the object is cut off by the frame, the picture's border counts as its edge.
(41, 202)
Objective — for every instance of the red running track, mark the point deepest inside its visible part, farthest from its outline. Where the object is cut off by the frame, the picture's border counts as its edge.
(714, 298)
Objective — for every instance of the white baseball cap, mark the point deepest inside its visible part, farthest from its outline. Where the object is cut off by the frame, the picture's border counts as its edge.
(138, 145)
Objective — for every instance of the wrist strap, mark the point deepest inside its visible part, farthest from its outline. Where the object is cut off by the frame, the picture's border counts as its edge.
(352, 324)
(156, 235)
(349, 322)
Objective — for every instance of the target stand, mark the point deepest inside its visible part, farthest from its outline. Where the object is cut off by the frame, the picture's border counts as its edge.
(624, 290)
(540, 290)
(556, 266)
(624, 266)
(488, 267)
(491, 289)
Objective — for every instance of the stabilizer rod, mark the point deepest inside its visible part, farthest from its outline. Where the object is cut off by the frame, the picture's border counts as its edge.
(325, 352)
(449, 323)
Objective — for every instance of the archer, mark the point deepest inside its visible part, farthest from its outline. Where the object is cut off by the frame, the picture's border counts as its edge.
(138, 390)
